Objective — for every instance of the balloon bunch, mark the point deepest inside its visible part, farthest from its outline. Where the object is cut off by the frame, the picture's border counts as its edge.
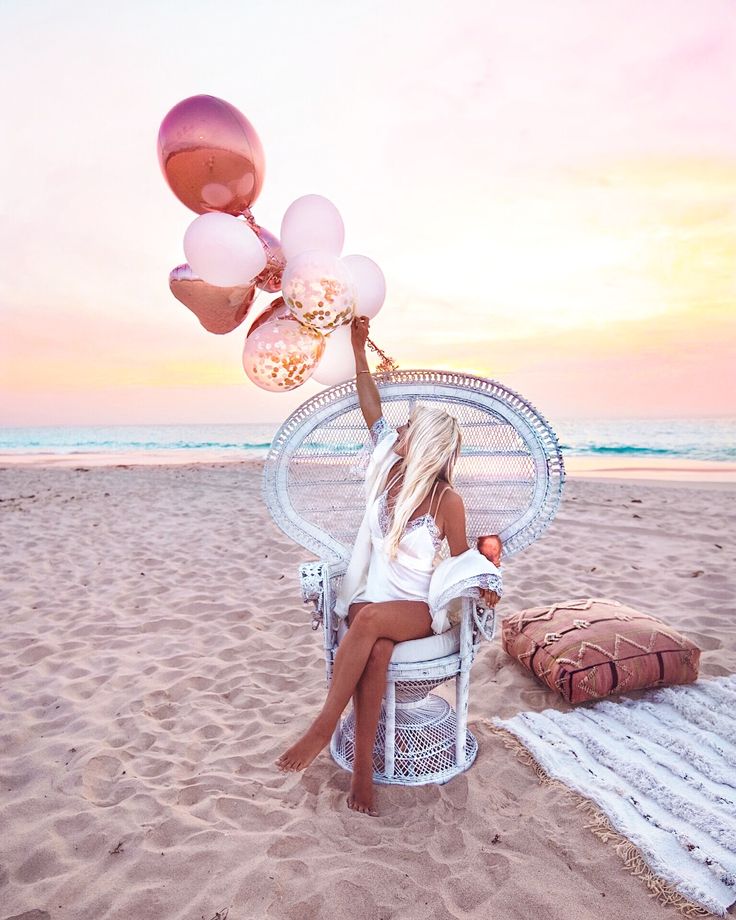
(213, 162)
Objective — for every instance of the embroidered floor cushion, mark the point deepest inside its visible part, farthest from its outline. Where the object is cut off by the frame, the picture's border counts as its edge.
(596, 647)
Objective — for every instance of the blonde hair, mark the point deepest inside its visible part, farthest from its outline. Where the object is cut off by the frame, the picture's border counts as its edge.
(433, 441)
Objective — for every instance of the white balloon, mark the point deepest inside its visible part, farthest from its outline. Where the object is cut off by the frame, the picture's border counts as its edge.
(337, 364)
(223, 250)
(311, 222)
(370, 282)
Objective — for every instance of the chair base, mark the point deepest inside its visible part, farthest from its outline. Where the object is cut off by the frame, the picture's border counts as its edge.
(424, 744)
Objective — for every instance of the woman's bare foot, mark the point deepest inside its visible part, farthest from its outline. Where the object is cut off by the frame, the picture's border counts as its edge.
(360, 797)
(303, 752)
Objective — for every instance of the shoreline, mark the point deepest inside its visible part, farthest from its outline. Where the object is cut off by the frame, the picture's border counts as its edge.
(701, 472)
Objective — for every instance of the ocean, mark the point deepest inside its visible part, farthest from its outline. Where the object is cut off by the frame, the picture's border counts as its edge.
(683, 439)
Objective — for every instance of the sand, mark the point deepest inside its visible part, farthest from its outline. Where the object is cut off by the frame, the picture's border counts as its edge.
(156, 658)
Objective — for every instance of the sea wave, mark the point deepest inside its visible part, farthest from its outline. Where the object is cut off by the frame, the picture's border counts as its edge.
(688, 439)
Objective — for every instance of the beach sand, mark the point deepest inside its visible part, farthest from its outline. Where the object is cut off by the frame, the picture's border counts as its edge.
(156, 658)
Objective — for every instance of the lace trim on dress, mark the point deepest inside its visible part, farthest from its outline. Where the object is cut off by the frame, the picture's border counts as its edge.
(470, 587)
(384, 521)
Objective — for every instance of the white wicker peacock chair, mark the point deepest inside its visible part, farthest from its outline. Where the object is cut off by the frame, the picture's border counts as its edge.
(510, 474)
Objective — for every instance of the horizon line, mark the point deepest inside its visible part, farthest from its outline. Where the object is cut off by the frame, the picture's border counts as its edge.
(180, 424)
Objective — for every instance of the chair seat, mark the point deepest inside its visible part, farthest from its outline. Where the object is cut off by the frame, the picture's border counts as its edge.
(436, 646)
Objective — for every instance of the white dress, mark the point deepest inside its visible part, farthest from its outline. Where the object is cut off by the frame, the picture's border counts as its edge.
(407, 576)
(371, 576)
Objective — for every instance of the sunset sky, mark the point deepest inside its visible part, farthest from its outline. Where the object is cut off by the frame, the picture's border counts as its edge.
(549, 188)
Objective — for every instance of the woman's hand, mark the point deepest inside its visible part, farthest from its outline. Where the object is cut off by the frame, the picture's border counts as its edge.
(491, 547)
(359, 332)
(489, 598)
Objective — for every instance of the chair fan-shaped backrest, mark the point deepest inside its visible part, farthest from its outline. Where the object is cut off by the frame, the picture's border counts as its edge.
(510, 472)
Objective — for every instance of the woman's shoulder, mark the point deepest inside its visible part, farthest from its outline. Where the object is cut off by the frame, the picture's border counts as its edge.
(449, 499)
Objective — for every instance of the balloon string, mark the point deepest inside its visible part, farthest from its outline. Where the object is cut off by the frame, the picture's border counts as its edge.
(386, 364)
(255, 227)
(271, 275)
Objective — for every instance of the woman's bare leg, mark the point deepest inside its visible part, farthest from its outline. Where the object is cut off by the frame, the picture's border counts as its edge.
(367, 705)
(395, 620)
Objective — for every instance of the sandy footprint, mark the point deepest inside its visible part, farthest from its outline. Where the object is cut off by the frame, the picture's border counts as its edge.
(103, 779)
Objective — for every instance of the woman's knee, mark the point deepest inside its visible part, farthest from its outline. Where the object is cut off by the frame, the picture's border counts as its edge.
(365, 618)
(381, 652)
(354, 609)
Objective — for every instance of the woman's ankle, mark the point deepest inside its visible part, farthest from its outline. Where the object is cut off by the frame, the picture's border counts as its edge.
(362, 770)
(323, 726)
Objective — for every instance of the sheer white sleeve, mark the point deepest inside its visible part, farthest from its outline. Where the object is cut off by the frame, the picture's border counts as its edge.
(375, 452)
(379, 429)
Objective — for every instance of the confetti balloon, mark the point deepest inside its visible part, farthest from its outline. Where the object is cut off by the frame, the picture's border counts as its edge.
(280, 355)
(210, 155)
(319, 290)
(219, 309)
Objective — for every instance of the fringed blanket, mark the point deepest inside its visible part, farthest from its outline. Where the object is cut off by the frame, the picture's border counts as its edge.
(659, 774)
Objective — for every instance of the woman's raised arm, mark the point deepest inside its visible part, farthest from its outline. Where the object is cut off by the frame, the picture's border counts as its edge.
(370, 400)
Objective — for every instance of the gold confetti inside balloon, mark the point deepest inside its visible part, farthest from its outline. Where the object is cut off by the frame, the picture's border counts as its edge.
(281, 354)
(319, 290)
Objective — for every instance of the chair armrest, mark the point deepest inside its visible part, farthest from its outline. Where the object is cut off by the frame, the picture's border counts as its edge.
(484, 618)
(315, 578)
(477, 622)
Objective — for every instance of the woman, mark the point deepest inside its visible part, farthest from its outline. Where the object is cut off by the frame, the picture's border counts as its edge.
(387, 599)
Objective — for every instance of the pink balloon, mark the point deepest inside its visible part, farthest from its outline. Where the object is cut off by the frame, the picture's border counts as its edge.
(219, 309)
(211, 155)
(223, 249)
(312, 222)
(369, 282)
(337, 364)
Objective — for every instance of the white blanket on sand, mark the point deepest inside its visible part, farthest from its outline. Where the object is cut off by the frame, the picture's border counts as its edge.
(662, 768)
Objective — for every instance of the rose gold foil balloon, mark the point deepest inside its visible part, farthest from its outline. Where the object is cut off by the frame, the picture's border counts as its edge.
(219, 309)
(281, 354)
(277, 309)
(210, 155)
(270, 278)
